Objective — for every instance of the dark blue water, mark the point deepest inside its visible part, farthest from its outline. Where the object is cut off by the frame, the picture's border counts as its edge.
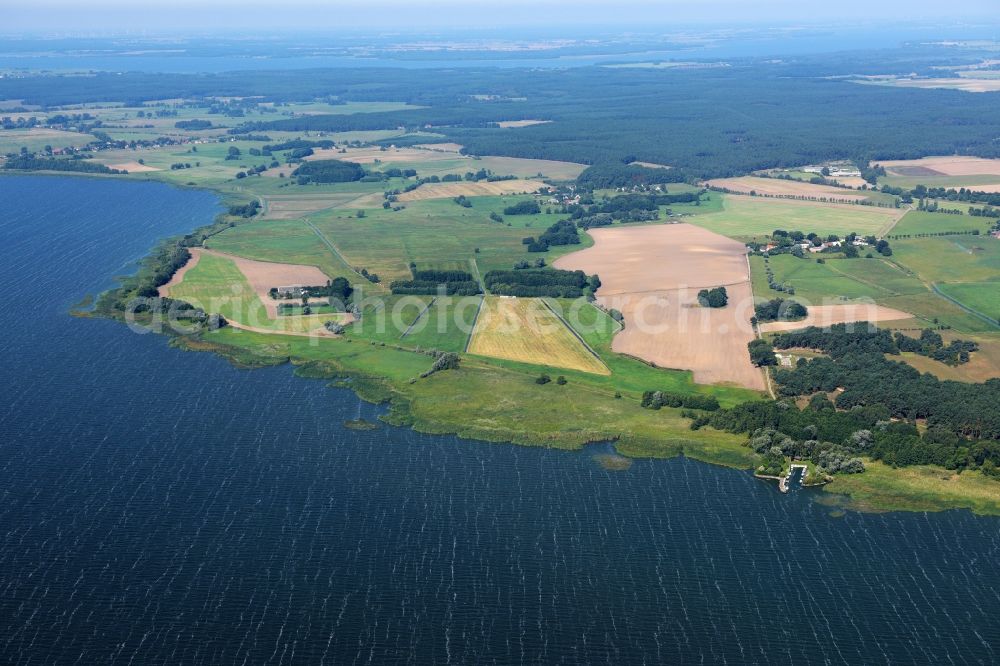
(162, 507)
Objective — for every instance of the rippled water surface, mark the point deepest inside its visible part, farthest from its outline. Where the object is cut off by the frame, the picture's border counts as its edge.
(162, 507)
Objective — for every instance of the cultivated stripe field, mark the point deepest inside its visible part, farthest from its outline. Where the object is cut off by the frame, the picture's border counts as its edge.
(525, 330)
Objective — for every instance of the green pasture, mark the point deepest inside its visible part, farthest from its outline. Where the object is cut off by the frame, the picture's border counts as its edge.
(919, 222)
(745, 217)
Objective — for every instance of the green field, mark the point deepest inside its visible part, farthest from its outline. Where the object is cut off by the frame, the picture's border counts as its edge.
(919, 222)
(283, 241)
(951, 258)
(393, 320)
(877, 279)
(12, 140)
(216, 285)
(746, 218)
(436, 231)
(983, 297)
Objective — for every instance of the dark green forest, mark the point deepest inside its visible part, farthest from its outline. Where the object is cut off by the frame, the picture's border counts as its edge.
(714, 122)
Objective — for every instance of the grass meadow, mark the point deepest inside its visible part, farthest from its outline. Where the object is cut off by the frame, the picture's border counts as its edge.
(745, 217)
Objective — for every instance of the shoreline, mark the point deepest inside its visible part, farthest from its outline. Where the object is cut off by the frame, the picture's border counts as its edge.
(864, 495)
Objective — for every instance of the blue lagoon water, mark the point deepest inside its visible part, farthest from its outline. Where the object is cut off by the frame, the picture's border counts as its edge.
(162, 507)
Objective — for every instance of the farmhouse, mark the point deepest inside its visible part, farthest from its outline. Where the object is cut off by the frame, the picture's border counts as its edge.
(290, 291)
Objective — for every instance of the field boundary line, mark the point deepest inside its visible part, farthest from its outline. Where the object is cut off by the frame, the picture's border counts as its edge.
(479, 277)
(971, 311)
(419, 315)
(575, 334)
(756, 331)
(331, 247)
(475, 320)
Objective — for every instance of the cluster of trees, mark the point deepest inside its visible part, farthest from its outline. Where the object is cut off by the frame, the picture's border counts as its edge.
(337, 290)
(985, 212)
(31, 163)
(524, 264)
(780, 309)
(550, 282)
(433, 282)
(658, 399)
(297, 144)
(857, 364)
(193, 124)
(932, 345)
(443, 361)
(774, 445)
(841, 339)
(371, 277)
(773, 284)
(529, 207)
(610, 175)
(329, 171)
(761, 353)
(716, 297)
(463, 201)
(562, 232)
(245, 210)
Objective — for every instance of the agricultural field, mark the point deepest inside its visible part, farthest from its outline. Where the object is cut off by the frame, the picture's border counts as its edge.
(983, 364)
(36, 138)
(952, 171)
(217, 285)
(527, 330)
(289, 241)
(950, 258)
(779, 187)
(824, 316)
(983, 297)
(471, 189)
(916, 222)
(432, 232)
(747, 218)
(876, 280)
(652, 274)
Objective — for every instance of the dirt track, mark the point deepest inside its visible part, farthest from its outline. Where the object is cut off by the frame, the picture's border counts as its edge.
(652, 275)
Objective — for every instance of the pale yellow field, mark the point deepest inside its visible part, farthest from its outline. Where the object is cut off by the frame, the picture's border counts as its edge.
(525, 330)
(828, 315)
(954, 165)
(470, 189)
(521, 123)
(133, 167)
(446, 147)
(784, 188)
(969, 84)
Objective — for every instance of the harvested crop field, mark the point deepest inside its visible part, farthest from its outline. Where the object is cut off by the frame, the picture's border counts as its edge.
(779, 187)
(446, 147)
(828, 315)
(526, 330)
(944, 166)
(964, 84)
(133, 167)
(469, 189)
(652, 275)
(521, 123)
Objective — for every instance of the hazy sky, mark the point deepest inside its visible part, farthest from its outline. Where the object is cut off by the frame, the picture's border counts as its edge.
(213, 15)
